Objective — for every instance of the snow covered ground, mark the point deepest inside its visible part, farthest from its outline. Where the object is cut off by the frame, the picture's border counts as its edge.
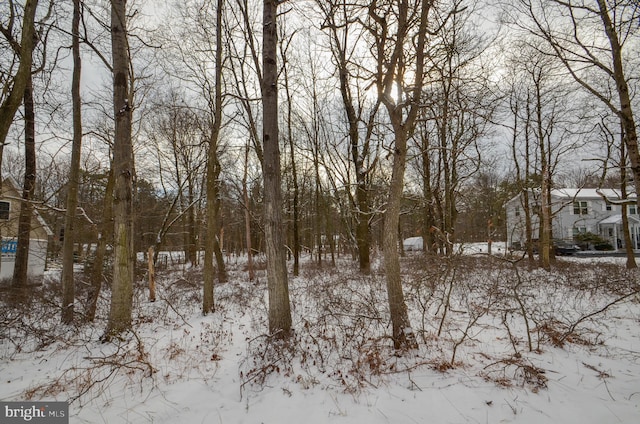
(498, 344)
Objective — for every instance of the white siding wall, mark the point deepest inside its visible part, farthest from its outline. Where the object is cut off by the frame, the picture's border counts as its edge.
(37, 259)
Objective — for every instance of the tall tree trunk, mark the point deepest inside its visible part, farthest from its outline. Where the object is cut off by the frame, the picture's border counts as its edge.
(318, 203)
(277, 279)
(402, 116)
(545, 243)
(363, 213)
(123, 167)
(341, 38)
(363, 209)
(218, 241)
(446, 152)
(190, 215)
(402, 334)
(68, 284)
(545, 220)
(528, 212)
(20, 271)
(329, 223)
(294, 174)
(23, 74)
(628, 242)
(626, 112)
(105, 236)
(428, 215)
(247, 214)
(212, 245)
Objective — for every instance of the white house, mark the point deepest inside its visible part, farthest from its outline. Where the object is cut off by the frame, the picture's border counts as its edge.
(575, 211)
(39, 236)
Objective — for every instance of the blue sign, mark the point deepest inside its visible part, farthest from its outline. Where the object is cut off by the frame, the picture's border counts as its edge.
(9, 246)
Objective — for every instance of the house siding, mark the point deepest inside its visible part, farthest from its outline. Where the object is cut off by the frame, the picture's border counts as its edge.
(566, 221)
(38, 239)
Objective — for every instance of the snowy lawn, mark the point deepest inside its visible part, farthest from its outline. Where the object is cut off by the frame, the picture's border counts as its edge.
(499, 343)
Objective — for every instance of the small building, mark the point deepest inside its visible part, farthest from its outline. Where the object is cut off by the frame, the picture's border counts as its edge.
(576, 211)
(413, 244)
(10, 196)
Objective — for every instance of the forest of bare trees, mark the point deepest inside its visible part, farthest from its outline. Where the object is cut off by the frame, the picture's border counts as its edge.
(275, 129)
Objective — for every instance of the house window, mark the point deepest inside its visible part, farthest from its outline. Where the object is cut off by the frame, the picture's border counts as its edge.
(579, 230)
(608, 207)
(5, 207)
(633, 209)
(580, 208)
(517, 211)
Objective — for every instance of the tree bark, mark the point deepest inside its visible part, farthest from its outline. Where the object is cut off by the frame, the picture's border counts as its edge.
(294, 172)
(152, 274)
(428, 215)
(105, 235)
(402, 114)
(123, 167)
(628, 242)
(545, 242)
(545, 220)
(68, 284)
(247, 215)
(23, 75)
(21, 269)
(625, 112)
(358, 154)
(277, 279)
(526, 204)
(212, 245)
(403, 336)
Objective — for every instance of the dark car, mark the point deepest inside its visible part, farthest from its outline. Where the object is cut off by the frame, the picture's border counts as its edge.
(560, 247)
(564, 248)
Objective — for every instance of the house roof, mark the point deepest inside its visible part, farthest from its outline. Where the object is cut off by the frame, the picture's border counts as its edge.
(11, 182)
(617, 219)
(590, 193)
(610, 194)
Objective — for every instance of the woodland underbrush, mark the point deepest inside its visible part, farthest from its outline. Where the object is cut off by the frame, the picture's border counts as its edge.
(487, 316)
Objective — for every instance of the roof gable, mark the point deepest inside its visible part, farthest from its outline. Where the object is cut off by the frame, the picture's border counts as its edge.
(11, 191)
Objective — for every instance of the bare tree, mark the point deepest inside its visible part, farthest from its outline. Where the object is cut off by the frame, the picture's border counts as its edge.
(548, 126)
(213, 171)
(19, 89)
(621, 162)
(105, 237)
(23, 51)
(68, 282)
(599, 64)
(277, 279)
(246, 71)
(522, 170)
(284, 47)
(458, 106)
(123, 169)
(177, 130)
(247, 213)
(628, 243)
(399, 31)
(20, 270)
(339, 19)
